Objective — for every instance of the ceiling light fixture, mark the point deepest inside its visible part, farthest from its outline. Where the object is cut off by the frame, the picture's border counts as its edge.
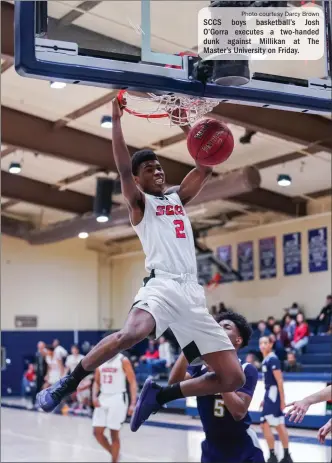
(102, 218)
(106, 122)
(83, 235)
(284, 180)
(15, 168)
(58, 85)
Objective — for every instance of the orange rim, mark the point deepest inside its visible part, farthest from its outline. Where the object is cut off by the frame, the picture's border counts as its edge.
(135, 113)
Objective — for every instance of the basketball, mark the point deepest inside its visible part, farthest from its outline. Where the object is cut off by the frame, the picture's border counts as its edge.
(210, 142)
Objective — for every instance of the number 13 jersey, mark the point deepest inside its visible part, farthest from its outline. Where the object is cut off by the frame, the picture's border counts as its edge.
(166, 235)
(112, 377)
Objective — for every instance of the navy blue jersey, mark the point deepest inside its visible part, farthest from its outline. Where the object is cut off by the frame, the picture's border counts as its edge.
(270, 363)
(271, 412)
(217, 421)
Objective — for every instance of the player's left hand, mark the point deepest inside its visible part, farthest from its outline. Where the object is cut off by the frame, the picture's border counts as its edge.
(297, 411)
(324, 431)
(131, 409)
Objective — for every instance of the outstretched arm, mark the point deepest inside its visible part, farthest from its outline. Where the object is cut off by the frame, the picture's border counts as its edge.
(299, 408)
(179, 371)
(131, 193)
(193, 182)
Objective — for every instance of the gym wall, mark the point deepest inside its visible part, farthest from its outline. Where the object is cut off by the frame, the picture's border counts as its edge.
(58, 283)
(260, 298)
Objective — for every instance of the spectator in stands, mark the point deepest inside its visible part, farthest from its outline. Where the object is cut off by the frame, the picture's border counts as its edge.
(28, 381)
(281, 342)
(73, 360)
(150, 362)
(324, 319)
(293, 310)
(165, 352)
(301, 335)
(292, 365)
(40, 369)
(253, 360)
(270, 323)
(289, 326)
(262, 329)
(59, 351)
(151, 353)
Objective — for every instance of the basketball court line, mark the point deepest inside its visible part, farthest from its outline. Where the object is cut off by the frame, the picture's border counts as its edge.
(66, 444)
(198, 428)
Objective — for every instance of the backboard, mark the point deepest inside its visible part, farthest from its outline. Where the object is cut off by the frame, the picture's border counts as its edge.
(136, 45)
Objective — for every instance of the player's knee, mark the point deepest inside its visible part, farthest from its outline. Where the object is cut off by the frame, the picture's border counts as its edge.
(115, 437)
(125, 339)
(97, 432)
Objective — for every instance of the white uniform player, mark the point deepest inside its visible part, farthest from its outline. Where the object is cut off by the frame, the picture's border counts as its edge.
(113, 398)
(111, 405)
(172, 294)
(54, 366)
(171, 297)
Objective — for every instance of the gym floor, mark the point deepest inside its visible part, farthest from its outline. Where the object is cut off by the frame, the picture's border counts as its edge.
(34, 436)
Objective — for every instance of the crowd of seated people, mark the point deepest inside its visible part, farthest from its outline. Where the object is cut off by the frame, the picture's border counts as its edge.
(290, 335)
(51, 362)
(156, 361)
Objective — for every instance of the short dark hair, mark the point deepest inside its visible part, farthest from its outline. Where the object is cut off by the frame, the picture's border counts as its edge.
(50, 347)
(141, 156)
(241, 324)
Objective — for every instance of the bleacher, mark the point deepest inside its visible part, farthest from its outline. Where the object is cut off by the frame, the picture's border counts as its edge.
(315, 359)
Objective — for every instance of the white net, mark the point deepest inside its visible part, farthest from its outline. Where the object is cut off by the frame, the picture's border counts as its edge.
(169, 109)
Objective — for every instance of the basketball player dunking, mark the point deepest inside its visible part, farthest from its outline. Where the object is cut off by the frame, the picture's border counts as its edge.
(171, 296)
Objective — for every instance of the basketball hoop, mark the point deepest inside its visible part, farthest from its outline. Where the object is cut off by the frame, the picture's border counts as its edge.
(170, 108)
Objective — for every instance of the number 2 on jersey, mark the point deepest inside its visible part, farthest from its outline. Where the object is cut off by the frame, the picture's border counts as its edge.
(179, 229)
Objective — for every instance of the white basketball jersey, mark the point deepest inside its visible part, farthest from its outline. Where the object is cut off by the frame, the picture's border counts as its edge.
(166, 235)
(112, 376)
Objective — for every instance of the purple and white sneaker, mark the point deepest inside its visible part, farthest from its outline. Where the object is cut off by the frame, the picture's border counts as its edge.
(50, 398)
(146, 405)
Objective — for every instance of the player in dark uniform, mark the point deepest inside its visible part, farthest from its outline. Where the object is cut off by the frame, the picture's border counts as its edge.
(274, 400)
(225, 418)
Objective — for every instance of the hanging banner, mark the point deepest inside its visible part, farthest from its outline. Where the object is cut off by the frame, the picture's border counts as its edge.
(224, 253)
(317, 248)
(245, 260)
(292, 254)
(267, 258)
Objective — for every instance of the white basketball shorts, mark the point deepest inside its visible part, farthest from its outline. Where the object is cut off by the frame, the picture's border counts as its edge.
(112, 412)
(178, 303)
